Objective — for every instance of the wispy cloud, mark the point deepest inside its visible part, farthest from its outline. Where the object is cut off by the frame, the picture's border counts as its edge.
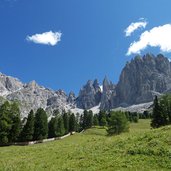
(134, 26)
(46, 38)
(156, 37)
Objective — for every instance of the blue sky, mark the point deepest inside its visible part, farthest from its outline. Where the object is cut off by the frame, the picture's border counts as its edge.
(92, 43)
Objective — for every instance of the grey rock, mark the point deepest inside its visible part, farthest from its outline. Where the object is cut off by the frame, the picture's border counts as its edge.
(9, 84)
(142, 79)
(71, 98)
(107, 94)
(89, 96)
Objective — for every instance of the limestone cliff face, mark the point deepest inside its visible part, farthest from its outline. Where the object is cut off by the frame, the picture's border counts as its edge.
(142, 78)
(9, 84)
(89, 95)
(107, 94)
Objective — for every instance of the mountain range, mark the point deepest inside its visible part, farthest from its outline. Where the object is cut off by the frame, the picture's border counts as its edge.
(140, 80)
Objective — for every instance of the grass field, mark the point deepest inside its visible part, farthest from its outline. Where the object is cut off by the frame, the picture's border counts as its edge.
(140, 149)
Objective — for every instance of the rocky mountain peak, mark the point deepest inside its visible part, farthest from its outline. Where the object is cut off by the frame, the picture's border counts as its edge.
(9, 84)
(142, 78)
(89, 95)
(32, 84)
(107, 94)
(71, 97)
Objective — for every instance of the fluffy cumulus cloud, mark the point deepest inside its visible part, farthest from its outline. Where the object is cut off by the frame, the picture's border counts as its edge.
(134, 26)
(47, 38)
(156, 37)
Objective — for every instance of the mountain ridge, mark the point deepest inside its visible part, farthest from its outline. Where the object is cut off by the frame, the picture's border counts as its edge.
(140, 80)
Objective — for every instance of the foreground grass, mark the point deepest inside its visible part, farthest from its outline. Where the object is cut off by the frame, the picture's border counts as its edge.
(140, 149)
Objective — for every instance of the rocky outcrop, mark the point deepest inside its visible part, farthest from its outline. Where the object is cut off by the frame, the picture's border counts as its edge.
(31, 96)
(142, 78)
(71, 98)
(9, 84)
(89, 96)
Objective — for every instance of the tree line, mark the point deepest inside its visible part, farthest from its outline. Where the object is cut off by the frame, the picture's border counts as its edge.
(37, 127)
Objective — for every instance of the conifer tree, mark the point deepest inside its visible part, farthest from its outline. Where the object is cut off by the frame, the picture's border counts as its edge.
(16, 122)
(89, 119)
(41, 125)
(66, 122)
(5, 122)
(95, 120)
(28, 129)
(72, 123)
(158, 115)
(118, 123)
(52, 127)
(60, 127)
(85, 115)
(102, 118)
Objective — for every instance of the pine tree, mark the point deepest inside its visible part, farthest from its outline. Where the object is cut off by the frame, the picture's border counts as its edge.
(16, 122)
(60, 127)
(66, 122)
(118, 123)
(95, 120)
(5, 122)
(28, 129)
(77, 119)
(89, 119)
(165, 103)
(102, 118)
(52, 127)
(158, 116)
(85, 116)
(72, 123)
(41, 125)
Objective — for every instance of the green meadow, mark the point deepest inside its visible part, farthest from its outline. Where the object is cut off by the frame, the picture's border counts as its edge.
(140, 149)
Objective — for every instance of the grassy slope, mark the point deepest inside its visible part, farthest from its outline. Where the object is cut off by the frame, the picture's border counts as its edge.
(141, 149)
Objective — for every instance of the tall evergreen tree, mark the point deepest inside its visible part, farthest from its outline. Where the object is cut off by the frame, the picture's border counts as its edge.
(28, 129)
(77, 119)
(5, 122)
(89, 119)
(158, 116)
(72, 123)
(16, 122)
(102, 118)
(95, 120)
(60, 127)
(52, 127)
(165, 103)
(85, 116)
(41, 125)
(66, 122)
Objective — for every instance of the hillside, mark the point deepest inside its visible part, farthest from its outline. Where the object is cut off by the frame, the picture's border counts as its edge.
(140, 149)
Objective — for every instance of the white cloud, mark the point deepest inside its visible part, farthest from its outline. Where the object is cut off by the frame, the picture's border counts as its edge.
(156, 37)
(134, 26)
(47, 38)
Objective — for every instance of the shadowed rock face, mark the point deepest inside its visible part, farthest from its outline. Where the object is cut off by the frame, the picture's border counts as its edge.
(89, 96)
(142, 78)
